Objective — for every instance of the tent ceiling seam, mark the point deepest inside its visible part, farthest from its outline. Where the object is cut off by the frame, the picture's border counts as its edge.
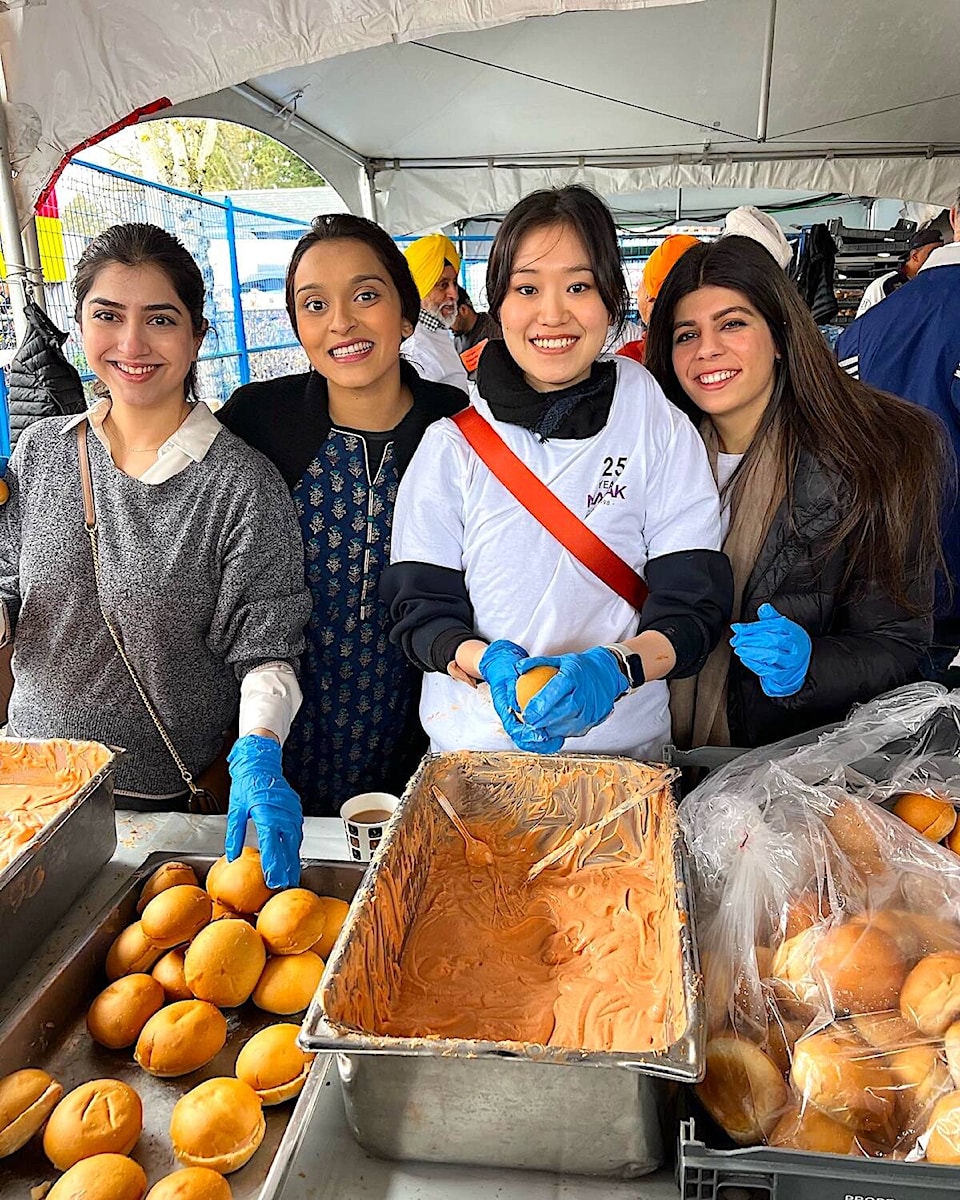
(880, 112)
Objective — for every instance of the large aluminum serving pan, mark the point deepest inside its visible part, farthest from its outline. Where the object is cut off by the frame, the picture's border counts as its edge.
(48, 1030)
(485, 1102)
(41, 883)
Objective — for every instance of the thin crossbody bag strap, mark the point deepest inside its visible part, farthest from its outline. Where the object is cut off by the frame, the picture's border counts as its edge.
(90, 521)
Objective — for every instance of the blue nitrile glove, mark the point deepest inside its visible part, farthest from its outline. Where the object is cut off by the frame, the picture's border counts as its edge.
(580, 696)
(259, 792)
(775, 649)
(498, 666)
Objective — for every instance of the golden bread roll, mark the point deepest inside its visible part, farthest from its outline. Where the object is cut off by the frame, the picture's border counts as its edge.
(887, 1030)
(530, 682)
(932, 816)
(934, 933)
(930, 997)
(288, 983)
(952, 840)
(292, 921)
(841, 1075)
(809, 1129)
(920, 1077)
(171, 874)
(791, 974)
(117, 1015)
(897, 925)
(101, 1177)
(809, 908)
(336, 913)
(951, 1045)
(176, 915)
(860, 969)
(222, 912)
(132, 953)
(223, 963)
(169, 974)
(218, 1125)
(192, 1183)
(239, 885)
(181, 1038)
(779, 1041)
(943, 1131)
(273, 1064)
(743, 1090)
(27, 1098)
(103, 1116)
(854, 837)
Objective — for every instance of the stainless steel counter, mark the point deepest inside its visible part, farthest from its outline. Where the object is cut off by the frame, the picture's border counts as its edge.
(330, 1165)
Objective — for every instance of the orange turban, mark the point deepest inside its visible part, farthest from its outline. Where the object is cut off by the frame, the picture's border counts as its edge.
(425, 258)
(660, 263)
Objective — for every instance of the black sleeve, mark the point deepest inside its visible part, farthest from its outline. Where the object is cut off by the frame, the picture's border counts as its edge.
(431, 611)
(690, 601)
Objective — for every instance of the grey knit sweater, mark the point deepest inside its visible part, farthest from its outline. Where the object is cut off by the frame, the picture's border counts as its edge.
(202, 574)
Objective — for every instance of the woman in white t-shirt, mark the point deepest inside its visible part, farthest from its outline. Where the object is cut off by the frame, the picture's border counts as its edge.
(481, 592)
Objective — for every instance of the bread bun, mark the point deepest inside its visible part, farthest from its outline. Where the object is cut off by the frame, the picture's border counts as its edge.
(943, 1131)
(171, 874)
(223, 963)
(860, 968)
(920, 1077)
(530, 682)
(809, 908)
(930, 815)
(103, 1116)
(336, 913)
(27, 1098)
(791, 975)
(239, 885)
(840, 1075)
(101, 1177)
(934, 933)
(931, 993)
(132, 953)
(292, 921)
(273, 1064)
(288, 983)
(779, 1040)
(218, 1125)
(117, 1015)
(743, 1090)
(951, 1045)
(888, 1030)
(221, 912)
(809, 1129)
(897, 925)
(169, 974)
(176, 915)
(181, 1038)
(854, 837)
(952, 840)
(192, 1183)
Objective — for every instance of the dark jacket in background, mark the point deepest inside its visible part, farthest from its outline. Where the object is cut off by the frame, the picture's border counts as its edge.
(814, 274)
(863, 644)
(42, 382)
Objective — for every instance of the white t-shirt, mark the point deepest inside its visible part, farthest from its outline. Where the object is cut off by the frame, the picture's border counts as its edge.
(873, 293)
(726, 465)
(642, 484)
(434, 355)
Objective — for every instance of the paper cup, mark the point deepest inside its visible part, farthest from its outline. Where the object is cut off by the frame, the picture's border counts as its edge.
(364, 819)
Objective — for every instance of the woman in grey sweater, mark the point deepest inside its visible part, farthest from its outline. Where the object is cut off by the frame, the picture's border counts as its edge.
(201, 560)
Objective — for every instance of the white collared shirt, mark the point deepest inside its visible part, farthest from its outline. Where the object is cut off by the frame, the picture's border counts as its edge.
(269, 695)
(943, 256)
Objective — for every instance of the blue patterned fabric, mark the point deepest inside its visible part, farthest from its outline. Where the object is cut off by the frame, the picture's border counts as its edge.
(358, 688)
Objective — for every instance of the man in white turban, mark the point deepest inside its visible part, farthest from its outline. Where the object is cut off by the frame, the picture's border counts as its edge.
(753, 223)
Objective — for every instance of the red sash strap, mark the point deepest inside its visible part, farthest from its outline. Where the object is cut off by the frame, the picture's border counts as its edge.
(549, 510)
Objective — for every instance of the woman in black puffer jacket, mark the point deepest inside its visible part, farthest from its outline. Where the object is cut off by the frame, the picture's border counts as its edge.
(831, 495)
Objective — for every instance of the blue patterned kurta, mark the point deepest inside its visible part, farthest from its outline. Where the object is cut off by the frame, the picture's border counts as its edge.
(357, 686)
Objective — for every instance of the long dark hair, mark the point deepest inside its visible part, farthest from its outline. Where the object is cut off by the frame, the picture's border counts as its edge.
(139, 245)
(336, 226)
(889, 455)
(588, 217)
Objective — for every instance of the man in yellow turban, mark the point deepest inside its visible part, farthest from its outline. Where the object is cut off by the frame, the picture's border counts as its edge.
(434, 263)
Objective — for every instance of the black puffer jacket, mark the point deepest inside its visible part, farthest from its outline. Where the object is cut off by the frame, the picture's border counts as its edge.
(42, 382)
(863, 644)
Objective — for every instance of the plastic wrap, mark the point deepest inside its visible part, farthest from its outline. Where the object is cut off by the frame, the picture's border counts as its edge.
(830, 935)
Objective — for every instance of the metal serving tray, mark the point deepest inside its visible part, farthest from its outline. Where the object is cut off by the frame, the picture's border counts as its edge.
(491, 1103)
(47, 1029)
(41, 883)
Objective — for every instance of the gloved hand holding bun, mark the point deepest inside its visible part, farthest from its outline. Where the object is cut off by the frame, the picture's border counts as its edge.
(580, 695)
(259, 792)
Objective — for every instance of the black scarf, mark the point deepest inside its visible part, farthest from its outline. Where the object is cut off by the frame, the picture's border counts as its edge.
(576, 412)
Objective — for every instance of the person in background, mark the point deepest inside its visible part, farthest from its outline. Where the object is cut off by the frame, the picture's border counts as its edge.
(434, 262)
(476, 582)
(342, 434)
(200, 566)
(42, 382)
(470, 330)
(830, 494)
(919, 248)
(910, 345)
(760, 227)
(655, 270)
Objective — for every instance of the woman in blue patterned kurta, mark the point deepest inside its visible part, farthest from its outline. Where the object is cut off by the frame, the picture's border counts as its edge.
(342, 435)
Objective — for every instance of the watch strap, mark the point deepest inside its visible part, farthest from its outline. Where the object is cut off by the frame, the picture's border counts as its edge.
(631, 664)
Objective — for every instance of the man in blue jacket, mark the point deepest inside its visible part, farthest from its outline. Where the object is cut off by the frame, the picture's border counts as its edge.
(910, 345)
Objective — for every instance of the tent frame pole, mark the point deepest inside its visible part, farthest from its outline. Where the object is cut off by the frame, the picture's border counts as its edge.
(767, 72)
(11, 242)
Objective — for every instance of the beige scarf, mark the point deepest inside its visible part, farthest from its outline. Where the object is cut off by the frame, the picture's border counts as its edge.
(698, 706)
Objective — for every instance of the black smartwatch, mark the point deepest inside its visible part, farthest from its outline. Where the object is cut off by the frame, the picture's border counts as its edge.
(631, 664)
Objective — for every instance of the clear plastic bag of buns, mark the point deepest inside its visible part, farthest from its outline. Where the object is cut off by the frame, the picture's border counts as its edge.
(829, 931)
